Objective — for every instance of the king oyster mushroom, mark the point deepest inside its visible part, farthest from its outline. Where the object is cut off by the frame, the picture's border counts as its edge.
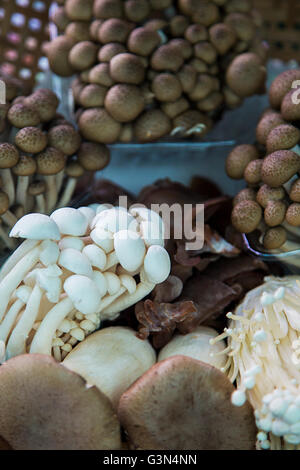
(79, 268)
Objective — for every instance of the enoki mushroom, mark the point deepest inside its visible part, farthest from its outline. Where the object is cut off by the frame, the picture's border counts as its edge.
(75, 269)
(263, 357)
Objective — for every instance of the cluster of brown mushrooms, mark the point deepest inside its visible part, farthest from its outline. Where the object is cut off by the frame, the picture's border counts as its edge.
(148, 69)
(42, 159)
(271, 202)
(13, 88)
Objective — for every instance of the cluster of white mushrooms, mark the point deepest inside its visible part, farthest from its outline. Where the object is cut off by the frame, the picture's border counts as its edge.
(76, 268)
(263, 356)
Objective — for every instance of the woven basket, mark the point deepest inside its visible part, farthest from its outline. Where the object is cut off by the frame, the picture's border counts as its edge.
(281, 24)
(23, 32)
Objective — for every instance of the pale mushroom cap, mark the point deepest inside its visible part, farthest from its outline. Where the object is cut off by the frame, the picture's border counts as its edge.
(196, 345)
(182, 403)
(75, 262)
(112, 359)
(36, 227)
(130, 249)
(46, 407)
(84, 293)
(70, 221)
(157, 264)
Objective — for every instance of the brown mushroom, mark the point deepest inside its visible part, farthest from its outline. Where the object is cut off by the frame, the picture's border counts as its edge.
(247, 194)
(31, 140)
(46, 407)
(295, 191)
(266, 194)
(49, 164)
(239, 158)
(290, 108)
(252, 173)
(283, 137)
(22, 115)
(274, 213)
(279, 167)
(274, 238)
(182, 403)
(9, 157)
(64, 138)
(268, 121)
(24, 169)
(246, 216)
(93, 157)
(293, 214)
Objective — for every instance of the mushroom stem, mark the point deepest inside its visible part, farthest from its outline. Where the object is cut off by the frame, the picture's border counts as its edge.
(17, 255)
(109, 299)
(40, 204)
(2, 352)
(51, 195)
(68, 193)
(22, 187)
(9, 218)
(59, 180)
(15, 277)
(42, 341)
(17, 341)
(8, 241)
(8, 184)
(143, 289)
(10, 319)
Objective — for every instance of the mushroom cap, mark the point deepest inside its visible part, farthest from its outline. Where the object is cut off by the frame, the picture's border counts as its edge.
(182, 403)
(4, 202)
(70, 221)
(246, 216)
(45, 103)
(279, 167)
(293, 214)
(124, 102)
(83, 292)
(47, 407)
(93, 156)
(196, 345)
(283, 137)
(74, 170)
(97, 125)
(35, 227)
(130, 249)
(64, 138)
(252, 173)
(267, 122)
(274, 213)
(290, 108)
(295, 191)
(9, 155)
(112, 359)
(274, 238)
(281, 86)
(31, 140)
(50, 162)
(127, 68)
(22, 115)
(266, 194)
(83, 55)
(58, 52)
(75, 262)
(247, 194)
(157, 264)
(238, 160)
(26, 166)
(246, 74)
(36, 188)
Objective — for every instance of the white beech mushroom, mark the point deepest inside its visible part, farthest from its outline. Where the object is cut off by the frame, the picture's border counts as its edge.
(82, 267)
(47, 407)
(263, 358)
(112, 359)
